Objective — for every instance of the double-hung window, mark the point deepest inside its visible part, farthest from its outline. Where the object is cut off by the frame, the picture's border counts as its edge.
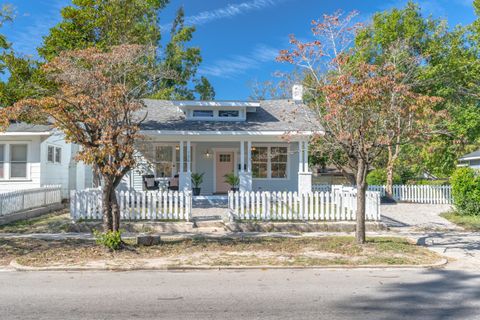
(18, 161)
(54, 154)
(269, 162)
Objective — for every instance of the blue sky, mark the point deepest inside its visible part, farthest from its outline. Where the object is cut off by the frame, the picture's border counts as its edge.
(239, 38)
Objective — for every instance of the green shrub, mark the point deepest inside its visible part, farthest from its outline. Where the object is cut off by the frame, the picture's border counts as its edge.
(111, 239)
(466, 190)
(378, 177)
(425, 182)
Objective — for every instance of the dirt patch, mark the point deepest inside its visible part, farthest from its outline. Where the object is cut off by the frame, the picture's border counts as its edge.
(223, 252)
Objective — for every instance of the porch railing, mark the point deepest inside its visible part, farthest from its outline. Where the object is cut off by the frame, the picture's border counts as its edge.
(134, 205)
(313, 206)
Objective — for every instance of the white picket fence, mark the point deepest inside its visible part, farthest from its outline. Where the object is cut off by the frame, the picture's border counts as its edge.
(288, 206)
(134, 205)
(23, 200)
(407, 193)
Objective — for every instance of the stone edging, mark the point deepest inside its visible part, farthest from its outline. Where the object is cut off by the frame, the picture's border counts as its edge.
(18, 267)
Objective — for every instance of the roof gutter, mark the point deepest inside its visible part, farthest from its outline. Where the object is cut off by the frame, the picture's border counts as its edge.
(24, 133)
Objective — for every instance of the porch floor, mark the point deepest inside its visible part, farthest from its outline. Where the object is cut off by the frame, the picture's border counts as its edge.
(209, 207)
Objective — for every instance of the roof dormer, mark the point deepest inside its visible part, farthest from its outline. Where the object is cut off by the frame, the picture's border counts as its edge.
(217, 110)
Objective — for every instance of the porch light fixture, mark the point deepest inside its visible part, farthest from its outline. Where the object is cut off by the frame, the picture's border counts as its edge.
(207, 154)
(177, 147)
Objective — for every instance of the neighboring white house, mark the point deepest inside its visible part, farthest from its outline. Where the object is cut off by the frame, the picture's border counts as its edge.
(471, 160)
(32, 156)
(264, 143)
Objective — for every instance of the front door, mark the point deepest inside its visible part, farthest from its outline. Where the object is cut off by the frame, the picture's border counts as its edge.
(224, 164)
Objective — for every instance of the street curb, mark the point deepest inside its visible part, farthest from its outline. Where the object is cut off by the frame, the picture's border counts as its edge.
(18, 267)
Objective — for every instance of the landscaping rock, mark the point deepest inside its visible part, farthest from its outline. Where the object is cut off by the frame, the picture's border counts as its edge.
(148, 240)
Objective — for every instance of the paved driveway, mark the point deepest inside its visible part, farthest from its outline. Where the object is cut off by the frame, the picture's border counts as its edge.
(422, 223)
(416, 217)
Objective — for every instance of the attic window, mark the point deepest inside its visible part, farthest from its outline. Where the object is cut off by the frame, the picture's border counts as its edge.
(203, 113)
(228, 113)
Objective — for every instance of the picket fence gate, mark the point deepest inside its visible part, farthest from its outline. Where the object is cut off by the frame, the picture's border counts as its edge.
(23, 200)
(292, 206)
(407, 193)
(134, 205)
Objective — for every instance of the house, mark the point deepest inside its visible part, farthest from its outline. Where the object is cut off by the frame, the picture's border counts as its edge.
(471, 160)
(264, 143)
(32, 156)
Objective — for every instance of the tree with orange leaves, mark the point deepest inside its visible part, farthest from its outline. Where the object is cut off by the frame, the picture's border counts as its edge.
(363, 108)
(94, 97)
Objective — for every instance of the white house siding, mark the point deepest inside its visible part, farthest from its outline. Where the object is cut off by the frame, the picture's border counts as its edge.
(204, 164)
(33, 166)
(69, 173)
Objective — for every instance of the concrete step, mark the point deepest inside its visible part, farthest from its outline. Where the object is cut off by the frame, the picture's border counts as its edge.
(216, 222)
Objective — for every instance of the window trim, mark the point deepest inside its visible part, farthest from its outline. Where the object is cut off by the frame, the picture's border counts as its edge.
(56, 149)
(27, 162)
(269, 162)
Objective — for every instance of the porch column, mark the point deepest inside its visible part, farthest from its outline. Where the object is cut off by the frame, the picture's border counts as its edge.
(185, 178)
(304, 176)
(245, 175)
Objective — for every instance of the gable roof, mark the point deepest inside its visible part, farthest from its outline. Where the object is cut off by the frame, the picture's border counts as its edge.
(471, 156)
(271, 115)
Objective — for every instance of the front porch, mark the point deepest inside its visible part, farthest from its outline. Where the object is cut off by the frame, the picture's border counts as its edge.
(265, 163)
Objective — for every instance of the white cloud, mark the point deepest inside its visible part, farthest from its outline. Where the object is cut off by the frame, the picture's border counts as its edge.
(240, 64)
(229, 11)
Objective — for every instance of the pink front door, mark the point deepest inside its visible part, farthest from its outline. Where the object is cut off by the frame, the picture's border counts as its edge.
(224, 164)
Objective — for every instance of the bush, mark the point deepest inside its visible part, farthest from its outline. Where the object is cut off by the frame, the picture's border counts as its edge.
(378, 177)
(466, 191)
(111, 239)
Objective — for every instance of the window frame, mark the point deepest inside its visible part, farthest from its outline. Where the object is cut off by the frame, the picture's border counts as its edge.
(57, 158)
(269, 161)
(203, 116)
(27, 162)
(50, 147)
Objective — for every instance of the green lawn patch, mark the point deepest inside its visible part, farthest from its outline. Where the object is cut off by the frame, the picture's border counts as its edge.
(471, 223)
(301, 252)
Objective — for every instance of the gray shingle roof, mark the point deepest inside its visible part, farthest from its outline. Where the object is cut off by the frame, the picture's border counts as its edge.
(475, 154)
(272, 115)
(25, 127)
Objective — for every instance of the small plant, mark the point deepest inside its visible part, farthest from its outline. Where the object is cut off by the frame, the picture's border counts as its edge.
(232, 180)
(111, 239)
(197, 179)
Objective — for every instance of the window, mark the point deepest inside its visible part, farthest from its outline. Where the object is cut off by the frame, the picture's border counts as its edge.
(279, 157)
(269, 162)
(225, 158)
(164, 161)
(228, 113)
(203, 113)
(58, 155)
(2, 161)
(18, 161)
(50, 153)
(260, 162)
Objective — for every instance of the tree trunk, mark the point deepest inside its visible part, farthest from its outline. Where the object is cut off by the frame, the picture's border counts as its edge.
(393, 152)
(115, 211)
(361, 193)
(106, 206)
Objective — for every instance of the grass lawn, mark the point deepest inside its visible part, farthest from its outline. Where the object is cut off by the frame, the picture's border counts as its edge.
(225, 252)
(471, 223)
(56, 222)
